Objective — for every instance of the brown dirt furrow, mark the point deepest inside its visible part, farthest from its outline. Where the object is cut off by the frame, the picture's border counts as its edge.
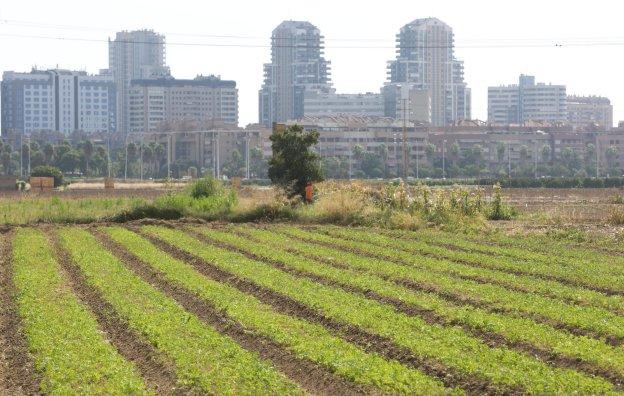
(568, 282)
(491, 339)
(367, 341)
(17, 370)
(158, 372)
(307, 374)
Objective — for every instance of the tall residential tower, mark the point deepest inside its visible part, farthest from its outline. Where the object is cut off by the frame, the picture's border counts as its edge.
(138, 54)
(426, 78)
(297, 64)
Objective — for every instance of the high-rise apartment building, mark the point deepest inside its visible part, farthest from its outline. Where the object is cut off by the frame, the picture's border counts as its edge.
(297, 64)
(58, 100)
(426, 64)
(589, 110)
(153, 102)
(527, 101)
(138, 54)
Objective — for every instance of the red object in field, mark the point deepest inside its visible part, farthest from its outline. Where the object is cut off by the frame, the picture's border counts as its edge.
(309, 192)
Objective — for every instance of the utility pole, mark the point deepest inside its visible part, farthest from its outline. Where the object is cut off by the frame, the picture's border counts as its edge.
(509, 159)
(169, 139)
(535, 158)
(444, 159)
(141, 156)
(28, 156)
(21, 156)
(417, 153)
(597, 160)
(350, 153)
(247, 154)
(108, 161)
(218, 159)
(405, 157)
(126, 167)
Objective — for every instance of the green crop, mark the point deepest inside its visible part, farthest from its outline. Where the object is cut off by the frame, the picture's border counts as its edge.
(68, 348)
(312, 259)
(450, 346)
(431, 275)
(203, 358)
(305, 339)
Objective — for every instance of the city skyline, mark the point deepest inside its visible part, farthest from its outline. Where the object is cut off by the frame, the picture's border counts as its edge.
(509, 51)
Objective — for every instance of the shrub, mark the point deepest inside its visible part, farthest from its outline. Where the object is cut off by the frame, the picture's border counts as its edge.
(499, 211)
(206, 187)
(49, 171)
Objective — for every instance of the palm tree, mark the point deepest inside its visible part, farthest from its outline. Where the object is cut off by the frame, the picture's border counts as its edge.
(87, 152)
(383, 153)
(48, 153)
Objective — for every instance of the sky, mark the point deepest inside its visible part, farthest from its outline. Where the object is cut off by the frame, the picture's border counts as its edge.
(576, 43)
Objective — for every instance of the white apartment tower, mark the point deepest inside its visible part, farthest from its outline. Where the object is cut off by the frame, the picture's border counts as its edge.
(527, 101)
(426, 64)
(138, 54)
(58, 100)
(297, 64)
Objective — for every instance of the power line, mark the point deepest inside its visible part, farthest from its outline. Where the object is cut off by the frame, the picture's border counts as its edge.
(237, 45)
(480, 43)
(486, 39)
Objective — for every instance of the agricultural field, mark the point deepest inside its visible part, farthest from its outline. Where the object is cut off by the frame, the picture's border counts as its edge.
(189, 308)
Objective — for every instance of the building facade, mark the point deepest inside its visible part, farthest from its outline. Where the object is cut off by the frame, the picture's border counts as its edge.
(297, 64)
(426, 64)
(526, 102)
(154, 102)
(138, 54)
(58, 100)
(326, 103)
(584, 111)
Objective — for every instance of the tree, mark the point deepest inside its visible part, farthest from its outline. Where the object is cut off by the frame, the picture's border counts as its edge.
(546, 153)
(370, 165)
(294, 164)
(430, 151)
(524, 154)
(383, 154)
(70, 161)
(455, 152)
(611, 155)
(258, 166)
(235, 166)
(48, 153)
(5, 159)
(500, 152)
(87, 152)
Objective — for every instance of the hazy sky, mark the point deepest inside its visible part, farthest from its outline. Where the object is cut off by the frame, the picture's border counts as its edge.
(577, 43)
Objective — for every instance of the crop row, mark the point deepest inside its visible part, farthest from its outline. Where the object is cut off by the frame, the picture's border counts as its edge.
(523, 249)
(451, 346)
(528, 283)
(292, 253)
(305, 339)
(63, 336)
(203, 358)
(592, 319)
(593, 276)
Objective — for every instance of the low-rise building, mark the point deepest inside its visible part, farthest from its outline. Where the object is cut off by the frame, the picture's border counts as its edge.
(153, 102)
(589, 111)
(326, 103)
